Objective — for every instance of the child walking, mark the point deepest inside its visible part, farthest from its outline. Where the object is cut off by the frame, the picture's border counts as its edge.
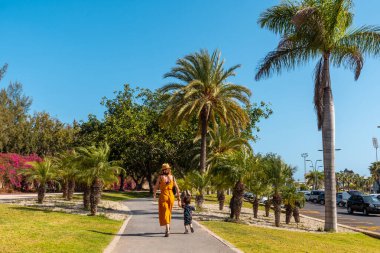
(188, 214)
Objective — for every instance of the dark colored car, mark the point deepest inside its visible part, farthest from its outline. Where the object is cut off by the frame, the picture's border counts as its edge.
(321, 198)
(248, 196)
(314, 196)
(363, 203)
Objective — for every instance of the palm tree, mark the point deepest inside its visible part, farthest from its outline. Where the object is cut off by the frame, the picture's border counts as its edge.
(234, 168)
(42, 173)
(278, 175)
(256, 182)
(315, 178)
(96, 170)
(68, 172)
(312, 29)
(374, 169)
(222, 142)
(293, 200)
(199, 182)
(201, 90)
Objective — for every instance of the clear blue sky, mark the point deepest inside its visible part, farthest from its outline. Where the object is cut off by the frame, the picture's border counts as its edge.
(69, 54)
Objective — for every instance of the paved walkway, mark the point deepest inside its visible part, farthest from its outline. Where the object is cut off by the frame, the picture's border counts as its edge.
(9, 197)
(144, 235)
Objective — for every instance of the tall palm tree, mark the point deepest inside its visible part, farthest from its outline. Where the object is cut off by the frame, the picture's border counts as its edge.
(97, 170)
(278, 175)
(201, 90)
(312, 29)
(42, 173)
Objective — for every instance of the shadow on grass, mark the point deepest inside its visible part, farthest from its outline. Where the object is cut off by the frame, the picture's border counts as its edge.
(33, 209)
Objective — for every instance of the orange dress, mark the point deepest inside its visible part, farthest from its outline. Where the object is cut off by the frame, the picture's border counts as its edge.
(165, 202)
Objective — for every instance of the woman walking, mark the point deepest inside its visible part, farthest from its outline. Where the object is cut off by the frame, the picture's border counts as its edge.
(166, 182)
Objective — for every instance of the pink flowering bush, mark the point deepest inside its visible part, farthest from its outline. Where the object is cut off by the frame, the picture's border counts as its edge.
(10, 167)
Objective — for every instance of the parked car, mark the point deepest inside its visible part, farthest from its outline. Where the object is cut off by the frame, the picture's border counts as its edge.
(321, 198)
(339, 199)
(314, 195)
(306, 194)
(363, 203)
(263, 200)
(377, 195)
(346, 195)
(248, 196)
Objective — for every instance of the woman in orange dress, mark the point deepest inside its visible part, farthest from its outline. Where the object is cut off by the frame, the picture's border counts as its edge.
(166, 183)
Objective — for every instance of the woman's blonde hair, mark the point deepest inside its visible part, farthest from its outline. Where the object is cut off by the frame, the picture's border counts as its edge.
(166, 166)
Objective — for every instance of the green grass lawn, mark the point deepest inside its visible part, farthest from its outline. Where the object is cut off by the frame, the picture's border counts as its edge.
(212, 199)
(258, 239)
(24, 229)
(122, 196)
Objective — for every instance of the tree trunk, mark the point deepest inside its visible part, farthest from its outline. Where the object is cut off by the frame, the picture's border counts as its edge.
(277, 209)
(122, 179)
(65, 187)
(221, 199)
(296, 214)
(255, 206)
(288, 213)
(95, 195)
(199, 199)
(86, 197)
(41, 193)
(204, 119)
(70, 189)
(267, 207)
(150, 182)
(328, 138)
(237, 200)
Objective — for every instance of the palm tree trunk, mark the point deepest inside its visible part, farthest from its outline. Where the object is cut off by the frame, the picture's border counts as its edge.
(328, 139)
(221, 198)
(237, 200)
(65, 186)
(71, 189)
(296, 214)
(277, 209)
(122, 179)
(95, 195)
(199, 199)
(267, 208)
(86, 197)
(41, 193)
(203, 140)
(255, 206)
(288, 213)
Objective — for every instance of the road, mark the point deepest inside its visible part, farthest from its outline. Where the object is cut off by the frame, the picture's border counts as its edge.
(371, 222)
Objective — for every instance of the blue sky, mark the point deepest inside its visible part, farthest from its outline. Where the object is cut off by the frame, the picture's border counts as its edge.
(69, 54)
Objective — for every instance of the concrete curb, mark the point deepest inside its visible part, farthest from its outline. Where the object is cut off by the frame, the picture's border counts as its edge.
(228, 244)
(117, 237)
(366, 232)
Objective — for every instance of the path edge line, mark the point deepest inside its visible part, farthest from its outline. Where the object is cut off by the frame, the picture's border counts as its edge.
(225, 242)
(117, 237)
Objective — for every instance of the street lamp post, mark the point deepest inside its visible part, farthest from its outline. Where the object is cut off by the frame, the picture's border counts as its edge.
(304, 155)
(375, 145)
